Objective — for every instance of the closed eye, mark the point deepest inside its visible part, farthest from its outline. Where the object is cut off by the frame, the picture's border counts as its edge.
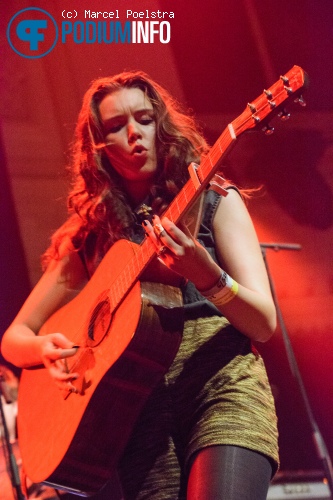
(145, 121)
(143, 117)
(114, 128)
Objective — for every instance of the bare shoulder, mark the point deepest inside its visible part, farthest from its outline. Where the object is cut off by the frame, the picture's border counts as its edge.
(232, 209)
(232, 219)
(68, 268)
(237, 244)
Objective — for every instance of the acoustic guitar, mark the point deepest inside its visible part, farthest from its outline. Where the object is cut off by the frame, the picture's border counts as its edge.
(128, 332)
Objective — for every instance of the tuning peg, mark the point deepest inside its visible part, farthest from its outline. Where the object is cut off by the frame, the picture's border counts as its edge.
(300, 100)
(268, 130)
(252, 107)
(284, 115)
(268, 94)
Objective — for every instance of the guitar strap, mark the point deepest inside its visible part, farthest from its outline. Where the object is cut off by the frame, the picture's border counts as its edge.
(193, 218)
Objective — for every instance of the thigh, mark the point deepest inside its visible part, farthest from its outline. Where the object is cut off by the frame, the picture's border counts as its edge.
(227, 472)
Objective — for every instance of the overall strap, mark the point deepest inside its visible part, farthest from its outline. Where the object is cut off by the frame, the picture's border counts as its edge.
(194, 217)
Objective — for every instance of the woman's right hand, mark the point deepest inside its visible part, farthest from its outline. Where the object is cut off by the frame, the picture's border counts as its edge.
(21, 345)
(55, 348)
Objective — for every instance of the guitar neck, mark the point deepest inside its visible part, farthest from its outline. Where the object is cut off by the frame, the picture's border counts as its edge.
(200, 175)
(255, 115)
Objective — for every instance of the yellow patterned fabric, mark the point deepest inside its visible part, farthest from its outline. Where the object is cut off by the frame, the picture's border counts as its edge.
(231, 397)
(216, 392)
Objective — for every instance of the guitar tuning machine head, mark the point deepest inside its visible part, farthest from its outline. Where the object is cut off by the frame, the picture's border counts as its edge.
(252, 107)
(268, 94)
(284, 115)
(300, 100)
(285, 80)
(268, 130)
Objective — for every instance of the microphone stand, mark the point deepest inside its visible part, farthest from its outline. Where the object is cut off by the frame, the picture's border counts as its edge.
(8, 450)
(318, 440)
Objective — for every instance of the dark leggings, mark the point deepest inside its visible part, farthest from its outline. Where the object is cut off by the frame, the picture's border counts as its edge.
(229, 473)
(220, 472)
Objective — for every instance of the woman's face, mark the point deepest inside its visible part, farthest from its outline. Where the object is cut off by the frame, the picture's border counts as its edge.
(130, 134)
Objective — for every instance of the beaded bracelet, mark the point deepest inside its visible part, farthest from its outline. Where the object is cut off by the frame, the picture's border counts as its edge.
(223, 292)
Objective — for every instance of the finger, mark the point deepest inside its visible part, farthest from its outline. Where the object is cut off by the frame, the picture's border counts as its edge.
(60, 374)
(158, 228)
(53, 353)
(162, 251)
(179, 236)
(66, 353)
(183, 243)
(165, 244)
(59, 340)
(149, 230)
(66, 387)
(184, 228)
(173, 241)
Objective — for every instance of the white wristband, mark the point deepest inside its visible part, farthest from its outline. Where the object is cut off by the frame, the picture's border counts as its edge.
(223, 292)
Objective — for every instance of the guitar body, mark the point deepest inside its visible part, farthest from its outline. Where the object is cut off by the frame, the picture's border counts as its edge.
(74, 440)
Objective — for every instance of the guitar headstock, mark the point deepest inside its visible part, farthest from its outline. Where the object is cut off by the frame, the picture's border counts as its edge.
(272, 102)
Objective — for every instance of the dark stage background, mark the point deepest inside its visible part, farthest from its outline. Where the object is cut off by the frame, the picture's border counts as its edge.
(221, 55)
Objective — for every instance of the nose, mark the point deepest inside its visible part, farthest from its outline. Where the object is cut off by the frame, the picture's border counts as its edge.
(133, 132)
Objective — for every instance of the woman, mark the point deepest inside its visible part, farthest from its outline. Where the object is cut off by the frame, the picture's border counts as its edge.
(208, 431)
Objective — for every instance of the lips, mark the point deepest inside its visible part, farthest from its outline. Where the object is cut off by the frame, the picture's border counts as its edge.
(137, 150)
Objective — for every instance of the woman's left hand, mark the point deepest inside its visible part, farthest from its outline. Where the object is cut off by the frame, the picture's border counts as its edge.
(180, 252)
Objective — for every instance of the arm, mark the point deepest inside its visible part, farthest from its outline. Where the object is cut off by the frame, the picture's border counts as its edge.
(238, 250)
(21, 345)
(252, 310)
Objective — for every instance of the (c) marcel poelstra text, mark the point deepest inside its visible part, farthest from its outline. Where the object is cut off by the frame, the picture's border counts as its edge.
(107, 32)
(130, 14)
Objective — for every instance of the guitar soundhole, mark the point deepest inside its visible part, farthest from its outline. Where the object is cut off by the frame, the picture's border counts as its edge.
(99, 324)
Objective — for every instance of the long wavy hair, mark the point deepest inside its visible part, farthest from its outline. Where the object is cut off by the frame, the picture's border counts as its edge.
(97, 203)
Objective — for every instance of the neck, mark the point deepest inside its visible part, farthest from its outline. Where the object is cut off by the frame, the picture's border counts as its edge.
(137, 191)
